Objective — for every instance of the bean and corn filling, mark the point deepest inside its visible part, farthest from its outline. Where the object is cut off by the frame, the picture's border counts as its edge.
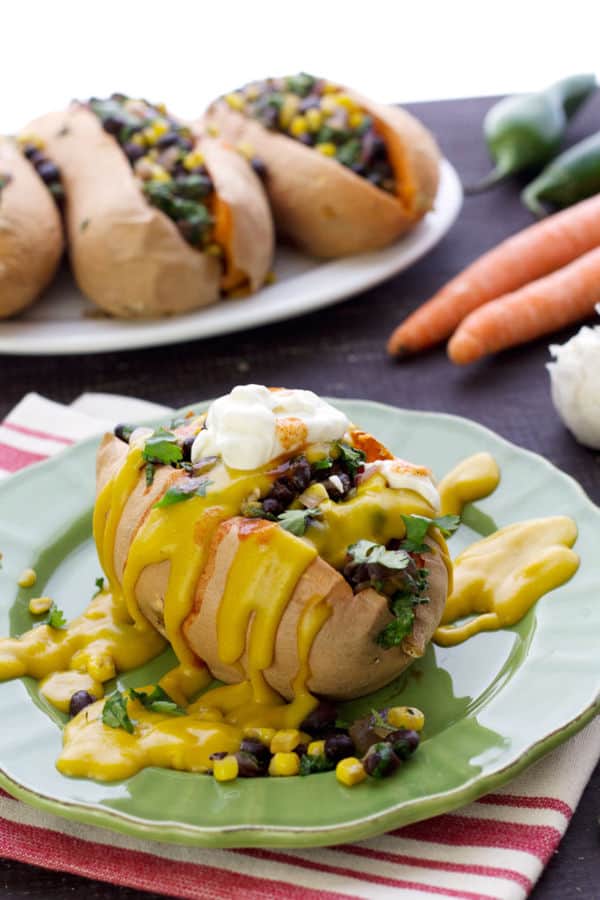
(33, 148)
(171, 172)
(321, 115)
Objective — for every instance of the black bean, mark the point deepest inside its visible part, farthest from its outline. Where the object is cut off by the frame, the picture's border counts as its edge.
(185, 143)
(299, 474)
(220, 754)
(259, 166)
(79, 701)
(281, 492)
(404, 742)
(301, 750)
(32, 153)
(124, 432)
(310, 102)
(47, 171)
(380, 760)
(167, 140)
(133, 151)
(112, 124)
(258, 750)
(248, 765)
(186, 447)
(272, 507)
(338, 747)
(333, 489)
(323, 716)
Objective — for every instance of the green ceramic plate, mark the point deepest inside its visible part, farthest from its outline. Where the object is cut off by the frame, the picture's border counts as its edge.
(493, 704)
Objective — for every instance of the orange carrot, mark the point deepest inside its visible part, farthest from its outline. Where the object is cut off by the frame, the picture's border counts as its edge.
(532, 253)
(538, 308)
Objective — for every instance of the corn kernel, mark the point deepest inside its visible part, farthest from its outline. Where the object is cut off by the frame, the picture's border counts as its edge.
(160, 174)
(27, 578)
(138, 139)
(350, 771)
(347, 102)
(264, 735)
(327, 149)
(314, 119)
(149, 136)
(406, 717)
(160, 127)
(235, 101)
(225, 769)
(246, 149)
(330, 88)
(252, 92)
(288, 110)
(162, 108)
(193, 160)
(285, 740)
(328, 105)
(101, 667)
(39, 605)
(298, 126)
(316, 748)
(31, 139)
(284, 764)
(355, 119)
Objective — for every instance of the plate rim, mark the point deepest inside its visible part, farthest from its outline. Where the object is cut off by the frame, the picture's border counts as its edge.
(147, 333)
(365, 826)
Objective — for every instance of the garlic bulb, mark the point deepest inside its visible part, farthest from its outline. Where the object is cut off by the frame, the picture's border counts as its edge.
(575, 384)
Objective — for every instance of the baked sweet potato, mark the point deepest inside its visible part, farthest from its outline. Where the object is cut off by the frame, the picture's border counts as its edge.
(31, 238)
(130, 252)
(328, 208)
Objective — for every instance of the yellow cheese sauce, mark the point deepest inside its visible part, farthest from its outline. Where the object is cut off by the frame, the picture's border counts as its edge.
(500, 577)
(498, 582)
(472, 479)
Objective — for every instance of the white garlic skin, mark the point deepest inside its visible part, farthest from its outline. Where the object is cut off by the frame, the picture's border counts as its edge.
(575, 384)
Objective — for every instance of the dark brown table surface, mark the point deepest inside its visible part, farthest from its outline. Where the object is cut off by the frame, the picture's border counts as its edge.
(341, 352)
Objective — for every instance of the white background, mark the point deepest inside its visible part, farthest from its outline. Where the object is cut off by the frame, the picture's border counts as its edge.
(187, 52)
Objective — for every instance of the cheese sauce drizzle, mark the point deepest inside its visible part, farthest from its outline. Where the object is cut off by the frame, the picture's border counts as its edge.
(498, 578)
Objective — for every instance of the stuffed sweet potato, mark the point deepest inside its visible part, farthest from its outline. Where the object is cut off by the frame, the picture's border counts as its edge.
(344, 174)
(300, 563)
(31, 238)
(157, 224)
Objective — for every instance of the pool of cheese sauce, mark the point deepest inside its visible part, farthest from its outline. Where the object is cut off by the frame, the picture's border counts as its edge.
(496, 580)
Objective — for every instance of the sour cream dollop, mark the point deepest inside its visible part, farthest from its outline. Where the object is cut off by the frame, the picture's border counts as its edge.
(401, 475)
(575, 384)
(253, 425)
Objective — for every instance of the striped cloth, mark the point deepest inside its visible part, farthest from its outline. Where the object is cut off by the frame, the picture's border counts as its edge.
(494, 848)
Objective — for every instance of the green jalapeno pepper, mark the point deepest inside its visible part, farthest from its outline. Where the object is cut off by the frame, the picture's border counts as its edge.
(572, 176)
(525, 131)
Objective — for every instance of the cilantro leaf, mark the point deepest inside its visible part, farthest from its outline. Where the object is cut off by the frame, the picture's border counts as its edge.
(114, 712)
(369, 552)
(418, 526)
(185, 489)
(309, 765)
(99, 585)
(150, 469)
(352, 459)
(394, 633)
(157, 701)
(378, 720)
(162, 447)
(56, 618)
(297, 521)
(321, 464)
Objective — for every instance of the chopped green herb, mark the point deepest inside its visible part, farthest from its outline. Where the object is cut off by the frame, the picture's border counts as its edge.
(297, 521)
(99, 585)
(369, 552)
(56, 618)
(321, 464)
(309, 765)
(379, 721)
(352, 458)
(185, 489)
(150, 469)
(162, 447)
(157, 701)
(114, 712)
(417, 527)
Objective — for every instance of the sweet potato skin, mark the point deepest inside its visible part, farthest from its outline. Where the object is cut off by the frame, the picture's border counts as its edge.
(321, 205)
(252, 243)
(345, 660)
(127, 256)
(31, 237)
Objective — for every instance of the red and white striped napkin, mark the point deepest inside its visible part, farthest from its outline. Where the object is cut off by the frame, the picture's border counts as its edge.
(494, 848)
